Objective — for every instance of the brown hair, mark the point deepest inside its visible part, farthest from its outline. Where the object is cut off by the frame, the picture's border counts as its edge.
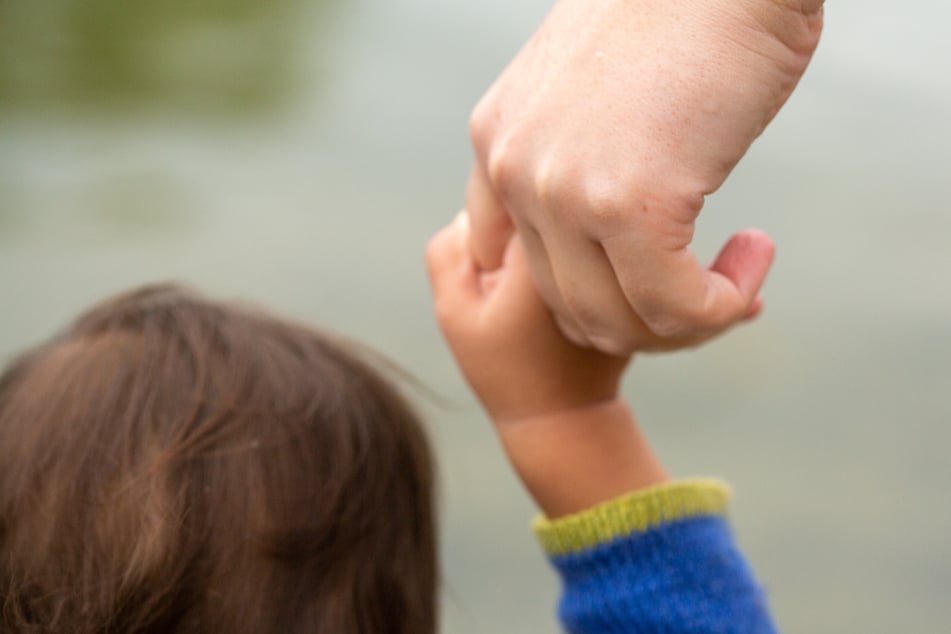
(171, 464)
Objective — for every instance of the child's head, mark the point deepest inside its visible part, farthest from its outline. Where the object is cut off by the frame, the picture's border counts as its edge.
(171, 464)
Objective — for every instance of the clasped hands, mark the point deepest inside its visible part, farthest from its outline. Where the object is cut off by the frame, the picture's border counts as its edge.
(599, 143)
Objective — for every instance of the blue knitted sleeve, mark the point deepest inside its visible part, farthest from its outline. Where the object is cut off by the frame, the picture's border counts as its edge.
(658, 561)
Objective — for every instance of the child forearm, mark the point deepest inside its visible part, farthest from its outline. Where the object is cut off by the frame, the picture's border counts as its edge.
(633, 549)
(635, 552)
(572, 460)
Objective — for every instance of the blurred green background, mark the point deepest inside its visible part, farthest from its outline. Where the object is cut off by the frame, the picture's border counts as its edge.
(300, 152)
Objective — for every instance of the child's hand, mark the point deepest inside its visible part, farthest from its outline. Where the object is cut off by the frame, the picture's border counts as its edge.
(571, 441)
(504, 338)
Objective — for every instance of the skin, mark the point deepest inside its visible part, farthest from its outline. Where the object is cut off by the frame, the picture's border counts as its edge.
(599, 143)
(554, 405)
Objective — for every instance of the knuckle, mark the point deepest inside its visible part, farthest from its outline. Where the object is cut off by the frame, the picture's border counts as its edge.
(481, 124)
(555, 185)
(505, 167)
(596, 203)
(614, 203)
(560, 190)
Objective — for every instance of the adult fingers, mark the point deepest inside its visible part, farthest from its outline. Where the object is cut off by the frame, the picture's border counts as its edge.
(490, 224)
(535, 253)
(675, 296)
(745, 260)
(593, 297)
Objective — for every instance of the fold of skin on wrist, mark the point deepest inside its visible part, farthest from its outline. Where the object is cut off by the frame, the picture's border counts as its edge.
(571, 460)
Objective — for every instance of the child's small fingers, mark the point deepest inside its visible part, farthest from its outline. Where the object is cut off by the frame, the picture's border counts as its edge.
(452, 271)
(517, 287)
(443, 252)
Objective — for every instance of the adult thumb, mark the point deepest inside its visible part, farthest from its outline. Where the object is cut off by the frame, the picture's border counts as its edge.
(745, 260)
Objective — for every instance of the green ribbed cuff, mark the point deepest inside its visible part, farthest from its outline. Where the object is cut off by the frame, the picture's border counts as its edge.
(632, 513)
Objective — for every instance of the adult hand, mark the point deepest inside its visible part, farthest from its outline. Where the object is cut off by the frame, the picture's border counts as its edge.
(600, 141)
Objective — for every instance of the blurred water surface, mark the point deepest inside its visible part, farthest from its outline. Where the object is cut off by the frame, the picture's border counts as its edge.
(299, 153)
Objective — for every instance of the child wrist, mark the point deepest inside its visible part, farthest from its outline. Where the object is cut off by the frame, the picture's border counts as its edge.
(572, 459)
(599, 407)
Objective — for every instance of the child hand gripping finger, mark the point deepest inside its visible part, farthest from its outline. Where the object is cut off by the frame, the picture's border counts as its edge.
(504, 338)
(554, 405)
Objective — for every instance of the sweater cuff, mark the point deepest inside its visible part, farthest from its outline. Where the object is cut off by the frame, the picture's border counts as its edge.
(636, 512)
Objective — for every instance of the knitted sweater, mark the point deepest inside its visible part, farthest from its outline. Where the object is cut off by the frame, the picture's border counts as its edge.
(657, 561)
